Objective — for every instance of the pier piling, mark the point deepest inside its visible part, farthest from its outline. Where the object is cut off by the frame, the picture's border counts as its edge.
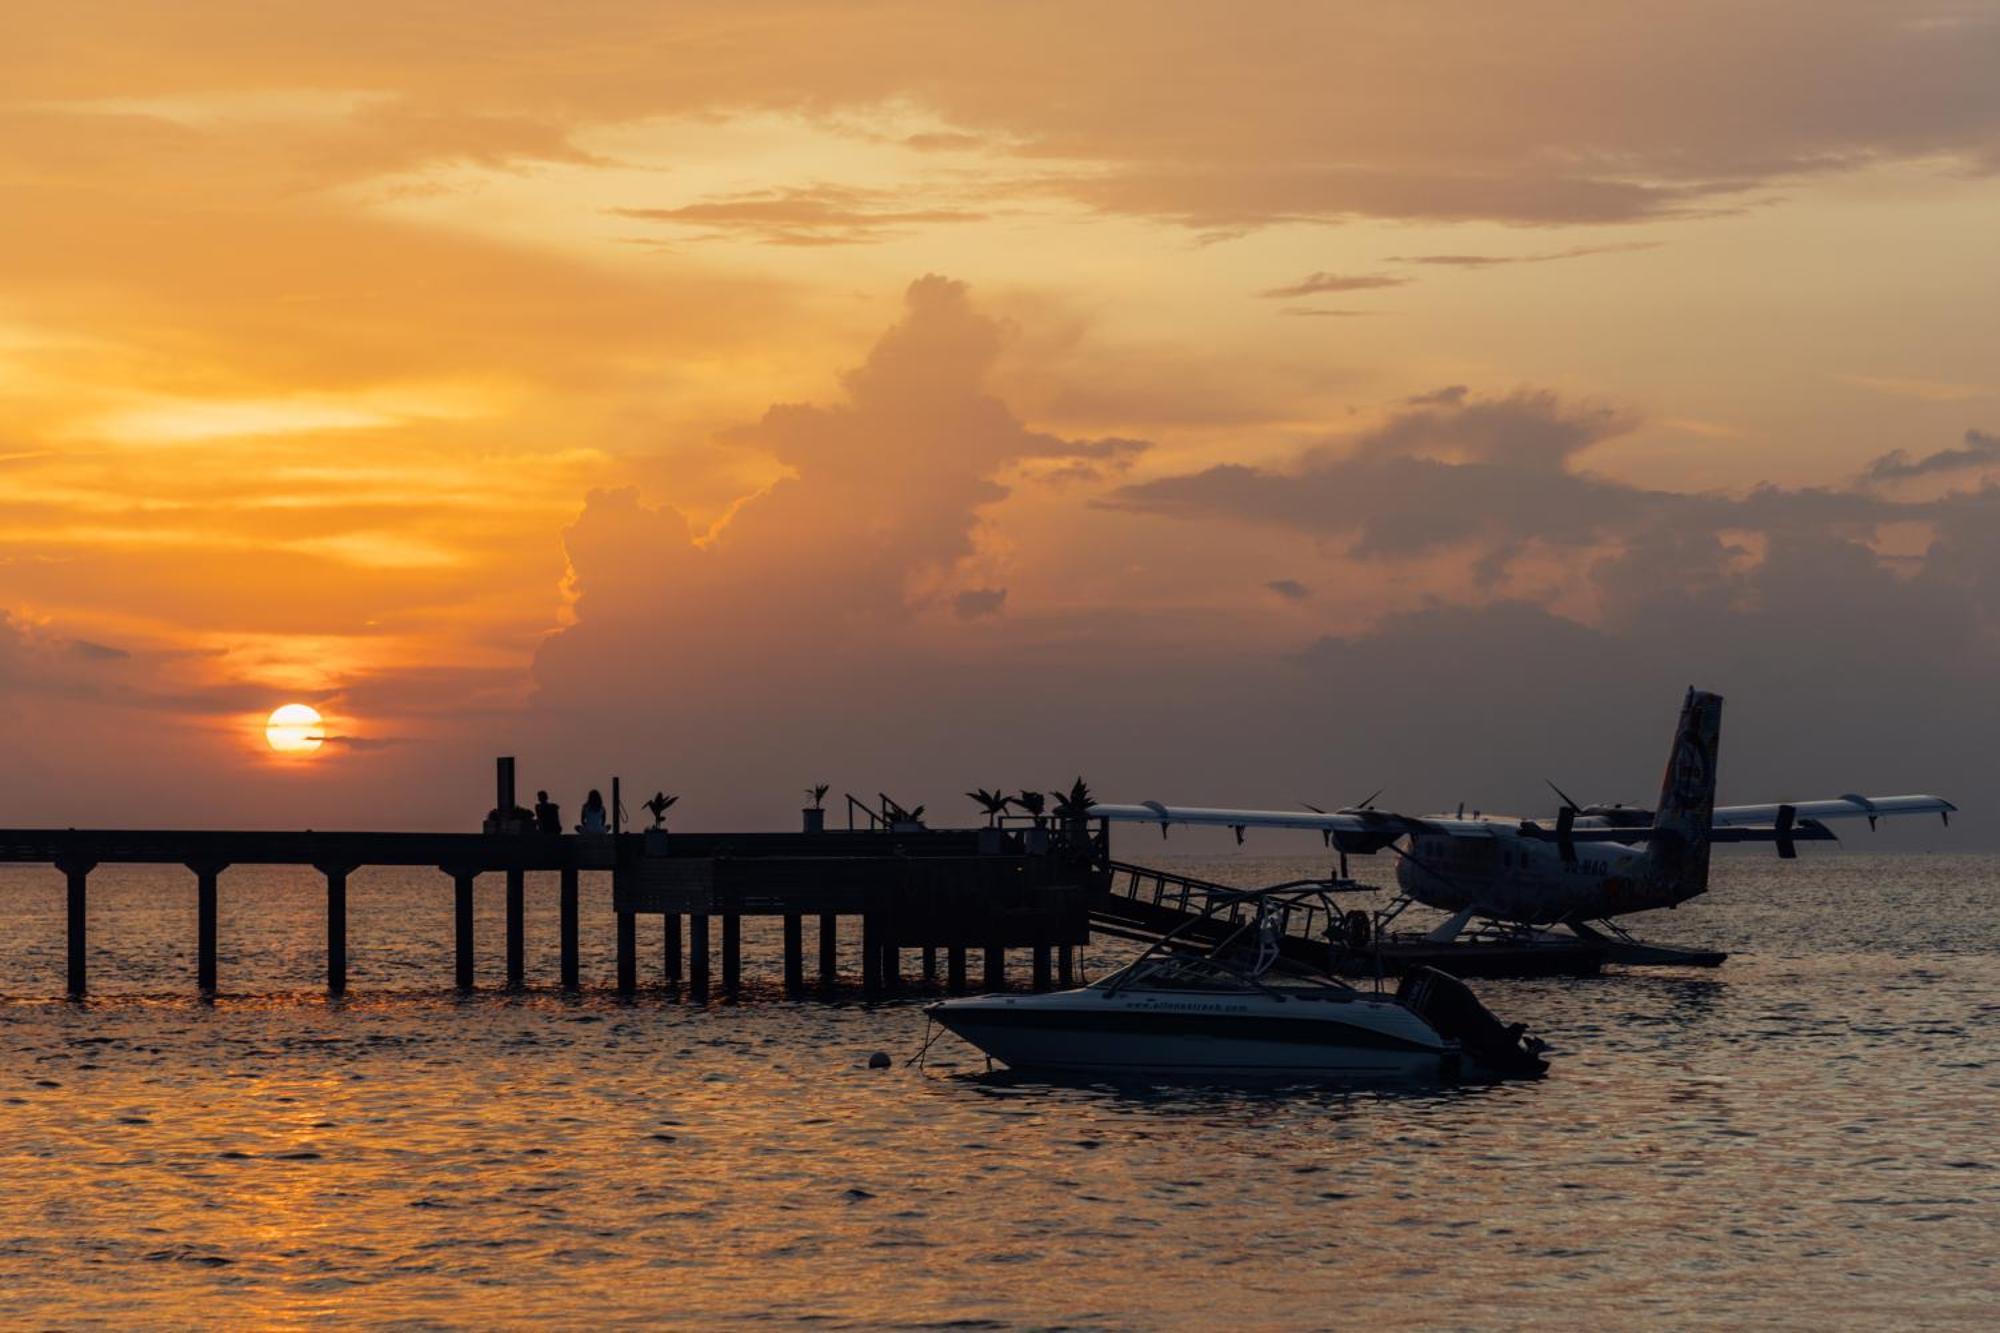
(78, 875)
(698, 956)
(954, 969)
(732, 953)
(829, 942)
(1066, 965)
(670, 943)
(336, 928)
(570, 977)
(205, 877)
(930, 964)
(871, 954)
(628, 953)
(996, 968)
(795, 951)
(1044, 980)
(461, 882)
(517, 911)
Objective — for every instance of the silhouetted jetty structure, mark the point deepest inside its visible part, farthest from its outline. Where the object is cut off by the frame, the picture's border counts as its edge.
(958, 892)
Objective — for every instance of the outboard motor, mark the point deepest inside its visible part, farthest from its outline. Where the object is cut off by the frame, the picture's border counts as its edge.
(1493, 1049)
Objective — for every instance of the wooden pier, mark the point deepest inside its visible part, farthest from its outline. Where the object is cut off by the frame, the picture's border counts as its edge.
(911, 887)
(934, 890)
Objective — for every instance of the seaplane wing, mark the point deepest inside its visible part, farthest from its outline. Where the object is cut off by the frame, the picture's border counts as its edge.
(1850, 806)
(1375, 822)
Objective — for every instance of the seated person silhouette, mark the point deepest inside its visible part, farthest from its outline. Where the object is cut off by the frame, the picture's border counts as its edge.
(595, 820)
(548, 815)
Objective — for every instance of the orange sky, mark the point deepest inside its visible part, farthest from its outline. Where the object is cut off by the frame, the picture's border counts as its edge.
(568, 379)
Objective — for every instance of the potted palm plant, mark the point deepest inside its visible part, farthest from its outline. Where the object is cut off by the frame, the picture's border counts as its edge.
(991, 838)
(1032, 804)
(815, 814)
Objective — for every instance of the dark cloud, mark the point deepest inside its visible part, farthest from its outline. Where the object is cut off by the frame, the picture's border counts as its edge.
(1491, 473)
(1313, 284)
(805, 215)
(1289, 589)
(97, 652)
(977, 603)
(1545, 257)
(1451, 395)
(1980, 451)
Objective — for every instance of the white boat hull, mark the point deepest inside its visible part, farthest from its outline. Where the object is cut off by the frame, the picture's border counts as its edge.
(1218, 1037)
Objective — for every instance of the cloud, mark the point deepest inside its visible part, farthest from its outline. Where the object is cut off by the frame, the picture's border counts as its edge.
(880, 504)
(804, 215)
(1545, 257)
(1316, 312)
(1451, 395)
(1313, 284)
(977, 603)
(1980, 451)
(1491, 473)
(1289, 589)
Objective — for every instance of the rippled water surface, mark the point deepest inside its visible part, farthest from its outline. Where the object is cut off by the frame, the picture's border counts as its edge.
(1809, 1135)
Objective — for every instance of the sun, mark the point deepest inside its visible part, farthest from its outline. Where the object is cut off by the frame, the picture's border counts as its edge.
(294, 729)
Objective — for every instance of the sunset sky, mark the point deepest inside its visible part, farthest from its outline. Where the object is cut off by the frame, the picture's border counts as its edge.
(1249, 404)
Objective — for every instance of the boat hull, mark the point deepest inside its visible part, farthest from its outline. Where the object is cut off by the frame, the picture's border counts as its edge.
(1215, 1040)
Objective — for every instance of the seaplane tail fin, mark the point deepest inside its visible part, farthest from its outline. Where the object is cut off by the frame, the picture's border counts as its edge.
(1678, 849)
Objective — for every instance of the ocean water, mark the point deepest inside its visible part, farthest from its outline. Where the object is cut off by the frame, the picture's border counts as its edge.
(1808, 1136)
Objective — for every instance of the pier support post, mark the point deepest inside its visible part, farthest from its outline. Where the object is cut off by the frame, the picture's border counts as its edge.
(954, 969)
(628, 953)
(829, 942)
(996, 968)
(795, 954)
(1044, 979)
(1066, 965)
(517, 912)
(892, 962)
(461, 882)
(930, 964)
(670, 956)
(732, 953)
(570, 978)
(698, 956)
(205, 877)
(78, 875)
(871, 954)
(336, 928)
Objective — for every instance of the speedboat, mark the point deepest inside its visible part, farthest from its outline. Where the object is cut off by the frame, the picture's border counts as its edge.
(1240, 1009)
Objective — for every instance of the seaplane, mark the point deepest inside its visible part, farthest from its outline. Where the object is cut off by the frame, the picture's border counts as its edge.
(1560, 882)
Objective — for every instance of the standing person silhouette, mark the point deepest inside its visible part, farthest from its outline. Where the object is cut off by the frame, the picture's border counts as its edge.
(595, 820)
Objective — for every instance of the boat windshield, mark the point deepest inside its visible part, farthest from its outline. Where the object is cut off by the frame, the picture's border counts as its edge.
(1191, 971)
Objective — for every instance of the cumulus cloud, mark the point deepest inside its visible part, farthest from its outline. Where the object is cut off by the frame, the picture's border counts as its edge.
(880, 503)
